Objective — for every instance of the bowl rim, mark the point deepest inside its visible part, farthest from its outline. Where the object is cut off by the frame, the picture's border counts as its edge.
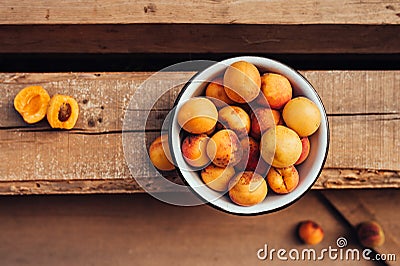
(170, 142)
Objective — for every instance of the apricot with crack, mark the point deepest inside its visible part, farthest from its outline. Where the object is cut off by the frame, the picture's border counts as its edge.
(283, 180)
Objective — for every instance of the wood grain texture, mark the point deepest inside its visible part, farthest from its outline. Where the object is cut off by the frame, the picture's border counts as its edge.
(210, 12)
(106, 230)
(361, 106)
(357, 208)
(200, 38)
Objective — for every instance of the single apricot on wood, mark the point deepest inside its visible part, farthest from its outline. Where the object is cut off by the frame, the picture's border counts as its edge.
(160, 154)
(310, 232)
(31, 103)
(63, 112)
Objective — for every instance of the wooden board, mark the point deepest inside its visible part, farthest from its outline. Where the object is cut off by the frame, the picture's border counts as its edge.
(137, 229)
(210, 12)
(200, 38)
(361, 105)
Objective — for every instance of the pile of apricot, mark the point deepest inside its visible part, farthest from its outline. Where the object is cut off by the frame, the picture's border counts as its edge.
(248, 133)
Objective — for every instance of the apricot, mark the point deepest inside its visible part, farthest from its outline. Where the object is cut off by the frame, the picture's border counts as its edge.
(216, 93)
(160, 155)
(310, 232)
(235, 118)
(305, 150)
(194, 150)
(280, 146)
(251, 155)
(31, 103)
(63, 112)
(198, 115)
(217, 178)
(263, 119)
(370, 234)
(247, 188)
(276, 89)
(283, 180)
(302, 115)
(242, 82)
(224, 148)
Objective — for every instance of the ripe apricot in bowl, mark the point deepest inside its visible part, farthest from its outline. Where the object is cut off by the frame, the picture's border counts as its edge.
(217, 178)
(235, 118)
(194, 149)
(224, 148)
(263, 119)
(302, 115)
(216, 93)
(198, 115)
(247, 188)
(276, 89)
(242, 82)
(280, 146)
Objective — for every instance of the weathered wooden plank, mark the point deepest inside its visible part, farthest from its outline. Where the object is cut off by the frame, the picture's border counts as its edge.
(329, 179)
(105, 230)
(361, 105)
(212, 12)
(200, 38)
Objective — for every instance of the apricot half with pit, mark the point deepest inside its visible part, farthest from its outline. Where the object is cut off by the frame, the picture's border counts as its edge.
(63, 112)
(242, 82)
(31, 103)
(280, 146)
(198, 115)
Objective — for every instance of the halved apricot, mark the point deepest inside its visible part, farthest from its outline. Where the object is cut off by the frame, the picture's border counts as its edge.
(63, 112)
(31, 103)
